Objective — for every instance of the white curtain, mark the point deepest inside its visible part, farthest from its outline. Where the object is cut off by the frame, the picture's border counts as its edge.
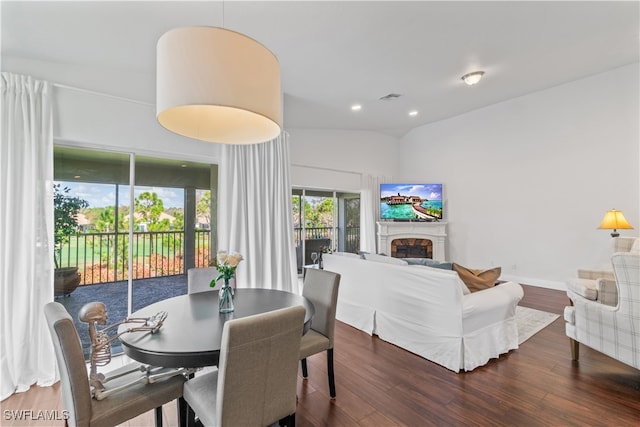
(26, 233)
(255, 213)
(369, 210)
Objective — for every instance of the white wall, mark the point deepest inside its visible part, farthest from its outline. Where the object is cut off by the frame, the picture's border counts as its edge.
(91, 120)
(109, 118)
(527, 181)
(336, 159)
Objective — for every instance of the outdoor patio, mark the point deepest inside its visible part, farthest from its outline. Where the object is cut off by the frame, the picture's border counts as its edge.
(114, 296)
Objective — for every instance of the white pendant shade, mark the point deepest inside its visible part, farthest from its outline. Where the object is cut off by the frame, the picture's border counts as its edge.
(217, 85)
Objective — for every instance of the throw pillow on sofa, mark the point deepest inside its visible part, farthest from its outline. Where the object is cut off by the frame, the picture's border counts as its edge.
(477, 280)
(429, 263)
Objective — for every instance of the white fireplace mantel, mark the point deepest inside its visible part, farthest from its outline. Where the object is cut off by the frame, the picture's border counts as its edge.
(434, 231)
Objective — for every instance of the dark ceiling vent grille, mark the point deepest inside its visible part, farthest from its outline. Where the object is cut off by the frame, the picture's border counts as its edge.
(390, 97)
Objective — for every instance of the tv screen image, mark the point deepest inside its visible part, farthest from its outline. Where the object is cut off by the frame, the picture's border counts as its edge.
(411, 202)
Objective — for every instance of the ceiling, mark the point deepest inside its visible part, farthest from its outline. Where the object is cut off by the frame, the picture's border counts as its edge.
(335, 54)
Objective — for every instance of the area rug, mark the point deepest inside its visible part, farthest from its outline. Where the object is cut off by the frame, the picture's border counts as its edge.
(531, 321)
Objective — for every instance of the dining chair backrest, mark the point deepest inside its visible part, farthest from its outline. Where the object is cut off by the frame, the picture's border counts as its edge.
(76, 394)
(321, 288)
(129, 392)
(258, 367)
(199, 279)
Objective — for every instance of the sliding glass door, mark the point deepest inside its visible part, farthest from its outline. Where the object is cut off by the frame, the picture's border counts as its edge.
(324, 221)
(139, 224)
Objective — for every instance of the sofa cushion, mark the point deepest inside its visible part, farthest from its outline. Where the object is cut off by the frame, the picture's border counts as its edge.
(429, 263)
(477, 280)
(635, 248)
(385, 259)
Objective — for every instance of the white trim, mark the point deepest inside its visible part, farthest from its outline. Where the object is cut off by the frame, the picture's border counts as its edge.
(74, 143)
(93, 92)
(326, 169)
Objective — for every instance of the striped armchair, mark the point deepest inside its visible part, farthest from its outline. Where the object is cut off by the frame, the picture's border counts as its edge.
(612, 330)
(599, 284)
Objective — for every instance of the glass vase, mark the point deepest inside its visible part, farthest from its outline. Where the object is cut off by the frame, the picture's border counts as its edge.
(225, 298)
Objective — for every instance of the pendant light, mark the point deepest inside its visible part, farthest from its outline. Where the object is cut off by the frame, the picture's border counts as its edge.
(217, 85)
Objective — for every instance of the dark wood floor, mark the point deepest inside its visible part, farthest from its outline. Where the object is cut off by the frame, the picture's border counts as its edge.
(379, 384)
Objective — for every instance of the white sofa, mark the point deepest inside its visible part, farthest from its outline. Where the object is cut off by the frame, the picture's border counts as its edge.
(426, 310)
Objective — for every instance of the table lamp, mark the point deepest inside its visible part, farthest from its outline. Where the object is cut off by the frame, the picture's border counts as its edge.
(613, 220)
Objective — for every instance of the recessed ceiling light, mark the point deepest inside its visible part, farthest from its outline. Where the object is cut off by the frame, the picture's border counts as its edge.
(472, 78)
(356, 107)
(413, 113)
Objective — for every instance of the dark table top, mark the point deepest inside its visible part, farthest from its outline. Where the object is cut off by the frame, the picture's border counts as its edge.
(192, 332)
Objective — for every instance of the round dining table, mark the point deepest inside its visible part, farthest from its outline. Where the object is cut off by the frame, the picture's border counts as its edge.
(191, 334)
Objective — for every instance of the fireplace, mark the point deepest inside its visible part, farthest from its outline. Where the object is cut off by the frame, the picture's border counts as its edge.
(415, 239)
(411, 248)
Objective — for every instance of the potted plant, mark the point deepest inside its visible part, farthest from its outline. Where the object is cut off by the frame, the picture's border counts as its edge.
(66, 279)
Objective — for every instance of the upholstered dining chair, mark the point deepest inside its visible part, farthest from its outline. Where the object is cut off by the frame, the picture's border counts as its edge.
(255, 384)
(321, 288)
(83, 410)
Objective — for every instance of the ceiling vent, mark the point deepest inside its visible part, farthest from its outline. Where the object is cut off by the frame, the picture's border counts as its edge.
(390, 97)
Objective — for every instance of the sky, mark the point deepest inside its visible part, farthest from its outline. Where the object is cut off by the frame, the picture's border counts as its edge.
(425, 191)
(102, 195)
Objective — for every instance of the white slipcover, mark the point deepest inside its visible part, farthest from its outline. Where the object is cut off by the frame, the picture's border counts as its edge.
(423, 310)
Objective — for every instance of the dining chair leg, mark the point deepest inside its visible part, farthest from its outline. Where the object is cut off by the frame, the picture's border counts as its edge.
(332, 381)
(305, 373)
(158, 416)
(289, 421)
(191, 417)
(182, 412)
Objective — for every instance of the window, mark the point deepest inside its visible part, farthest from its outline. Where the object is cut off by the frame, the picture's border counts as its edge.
(171, 230)
(324, 221)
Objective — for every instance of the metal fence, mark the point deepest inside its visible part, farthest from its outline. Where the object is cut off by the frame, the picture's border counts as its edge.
(103, 257)
(351, 236)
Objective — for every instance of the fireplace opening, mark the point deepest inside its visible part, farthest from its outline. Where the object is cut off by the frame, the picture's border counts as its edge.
(412, 248)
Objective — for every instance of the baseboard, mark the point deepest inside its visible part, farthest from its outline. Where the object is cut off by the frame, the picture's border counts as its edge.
(532, 281)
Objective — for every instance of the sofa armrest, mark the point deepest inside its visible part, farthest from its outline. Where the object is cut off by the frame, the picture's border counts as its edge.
(491, 305)
(607, 292)
(593, 274)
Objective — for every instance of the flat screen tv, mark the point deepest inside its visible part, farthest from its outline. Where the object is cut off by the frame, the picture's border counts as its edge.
(406, 202)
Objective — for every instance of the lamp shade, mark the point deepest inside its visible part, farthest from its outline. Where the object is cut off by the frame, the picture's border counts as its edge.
(614, 220)
(217, 85)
